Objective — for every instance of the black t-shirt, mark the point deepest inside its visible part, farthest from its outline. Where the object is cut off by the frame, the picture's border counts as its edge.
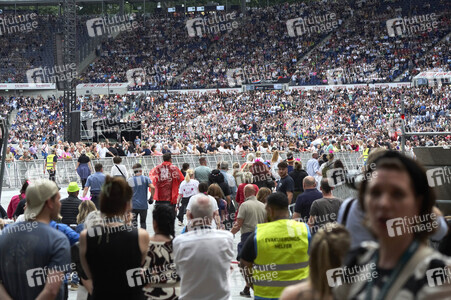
(83, 159)
(147, 152)
(285, 185)
(120, 151)
(20, 208)
(112, 150)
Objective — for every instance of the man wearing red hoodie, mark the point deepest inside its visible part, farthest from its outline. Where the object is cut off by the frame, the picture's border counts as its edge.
(166, 178)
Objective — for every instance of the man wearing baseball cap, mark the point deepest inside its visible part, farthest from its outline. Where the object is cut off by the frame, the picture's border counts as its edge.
(69, 206)
(37, 270)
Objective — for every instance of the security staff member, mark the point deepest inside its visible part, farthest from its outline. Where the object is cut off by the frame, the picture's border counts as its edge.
(95, 182)
(276, 254)
(50, 165)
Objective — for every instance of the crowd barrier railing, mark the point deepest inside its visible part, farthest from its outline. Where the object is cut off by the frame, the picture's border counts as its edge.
(17, 172)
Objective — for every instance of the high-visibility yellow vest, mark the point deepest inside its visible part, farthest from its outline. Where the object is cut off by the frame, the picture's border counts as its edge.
(282, 257)
(50, 161)
(366, 152)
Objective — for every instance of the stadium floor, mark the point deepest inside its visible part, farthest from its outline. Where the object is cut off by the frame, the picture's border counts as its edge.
(236, 280)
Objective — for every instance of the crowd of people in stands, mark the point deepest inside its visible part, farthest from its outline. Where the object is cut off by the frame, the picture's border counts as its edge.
(292, 232)
(233, 122)
(358, 49)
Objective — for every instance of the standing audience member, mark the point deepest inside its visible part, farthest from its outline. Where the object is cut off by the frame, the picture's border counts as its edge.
(102, 248)
(313, 165)
(262, 194)
(140, 185)
(69, 206)
(84, 209)
(298, 175)
(16, 199)
(203, 246)
(286, 183)
(166, 178)
(203, 191)
(305, 200)
(251, 213)
(188, 188)
(95, 182)
(41, 247)
(159, 265)
(50, 165)
(117, 169)
(201, 172)
(83, 168)
(324, 210)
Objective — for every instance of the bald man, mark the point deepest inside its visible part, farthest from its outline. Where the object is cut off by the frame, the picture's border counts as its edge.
(304, 201)
(205, 252)
(251, 213)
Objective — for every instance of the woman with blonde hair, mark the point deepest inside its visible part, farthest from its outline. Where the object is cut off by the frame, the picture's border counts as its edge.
(237, 174)
(189, 187)
(84, 209)
(329, 247)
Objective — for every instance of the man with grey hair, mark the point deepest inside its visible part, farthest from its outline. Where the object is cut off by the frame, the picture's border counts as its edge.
(205, 252)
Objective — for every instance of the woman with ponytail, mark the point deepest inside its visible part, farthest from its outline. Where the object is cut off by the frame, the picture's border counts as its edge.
(111, 248)
(189, 187)
(163, 281)
(329, 247)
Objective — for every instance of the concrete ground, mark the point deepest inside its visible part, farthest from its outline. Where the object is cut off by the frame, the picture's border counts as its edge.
(236, 280)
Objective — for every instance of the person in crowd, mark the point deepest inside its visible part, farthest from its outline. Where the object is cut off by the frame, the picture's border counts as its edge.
(69, 206)
(155, 152)
(217, 177)
(83, 168)
(305, 200)
(290, 162)
(101, 246)
(159, 266)
(26, 156)
(43, 206)
(199, 247)
(280, 242)
(214, 190)
(298, 175)
(249, 161)
(95, 182)
(166, 178)
(251, 213)
(313, 165)
(328, 250)
(248, 178)
(189, 187)
(237, 174)
(140, 185)
(325, 209)
(262, 194)
(224, 167)
(118, 169)
(185, 167)
(286, 183)
(203, 191)
(396, 188)
(9, 155)
(84, 209)
(202, 172)
(262, 175)
(50, 165)
(146, 151)
(16, 199)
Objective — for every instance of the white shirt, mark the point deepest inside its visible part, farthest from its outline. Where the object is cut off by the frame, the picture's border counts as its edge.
(102, 152)
(207, 253)
(115, 171)
(188, 189)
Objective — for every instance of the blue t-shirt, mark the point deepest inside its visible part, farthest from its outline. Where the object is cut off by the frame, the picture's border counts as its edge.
(27, 250)
(140, 186)
(95, 182)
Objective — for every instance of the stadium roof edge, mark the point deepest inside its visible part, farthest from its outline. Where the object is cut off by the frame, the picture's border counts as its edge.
(56, 2)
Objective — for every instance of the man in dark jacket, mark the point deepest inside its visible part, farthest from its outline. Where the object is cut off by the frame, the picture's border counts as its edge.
(69, 206)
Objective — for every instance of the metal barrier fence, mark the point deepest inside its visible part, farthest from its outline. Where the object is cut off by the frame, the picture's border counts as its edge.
(18, 171)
